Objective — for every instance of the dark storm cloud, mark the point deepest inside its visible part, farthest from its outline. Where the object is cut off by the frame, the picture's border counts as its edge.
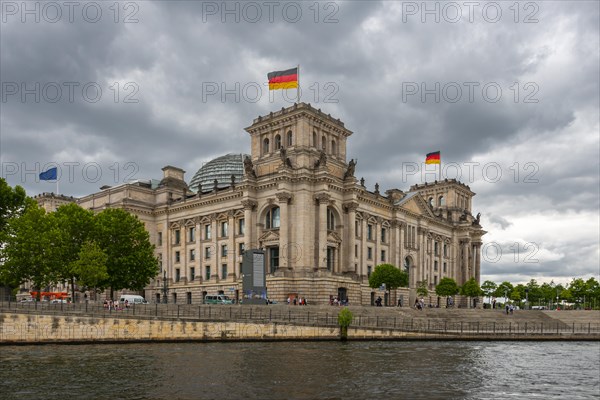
(368, 52)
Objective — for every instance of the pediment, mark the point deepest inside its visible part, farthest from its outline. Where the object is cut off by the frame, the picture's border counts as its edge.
(334, 237)
(417, 205)
(269, 236)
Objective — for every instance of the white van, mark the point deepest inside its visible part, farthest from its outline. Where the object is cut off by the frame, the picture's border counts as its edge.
(132, 299)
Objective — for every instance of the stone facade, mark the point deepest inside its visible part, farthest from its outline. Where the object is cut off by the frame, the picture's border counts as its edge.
(322, 231)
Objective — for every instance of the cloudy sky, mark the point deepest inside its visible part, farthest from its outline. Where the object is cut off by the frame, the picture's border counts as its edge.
(508, 93)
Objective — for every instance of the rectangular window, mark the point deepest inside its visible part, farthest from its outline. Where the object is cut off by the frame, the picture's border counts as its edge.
(382, 255)
(436, 248)
(435, 265)
(445, 267)
(370, 232)
(355, 250)
(207, 253)
(435, 280)
(445, 250)
(177, 275)
(207, 232)
(369, 270)
(160, 262)
(192, 234)
(356, 229)
(177, 256)
(273, 258)
(177, 236)
(189, 297)
(241, 248)
(330, 258)
(224, 250)
(224, 229)
(383, 235)
(369, 253)
(207, 272)
(159, 239)
(192, 273)
(240, 269)
(192, 254)
(241, 226)
(223, 271)
(174, 298)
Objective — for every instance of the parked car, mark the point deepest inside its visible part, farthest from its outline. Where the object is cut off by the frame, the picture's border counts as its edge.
(58, 301)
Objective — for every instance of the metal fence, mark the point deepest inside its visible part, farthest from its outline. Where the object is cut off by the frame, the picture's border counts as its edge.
(306, 316)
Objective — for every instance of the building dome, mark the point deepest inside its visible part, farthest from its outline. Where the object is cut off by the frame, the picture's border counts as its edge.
(221, 169)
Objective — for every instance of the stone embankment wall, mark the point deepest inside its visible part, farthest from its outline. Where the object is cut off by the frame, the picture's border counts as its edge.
(32, 328)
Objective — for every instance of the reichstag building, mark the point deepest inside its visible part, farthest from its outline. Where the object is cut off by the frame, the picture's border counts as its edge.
(296, 197)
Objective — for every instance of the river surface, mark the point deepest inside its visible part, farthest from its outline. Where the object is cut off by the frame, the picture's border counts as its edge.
(303, 370)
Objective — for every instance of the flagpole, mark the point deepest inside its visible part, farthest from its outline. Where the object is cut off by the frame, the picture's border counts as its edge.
(298, 88)
(57, 192)
(440, 171)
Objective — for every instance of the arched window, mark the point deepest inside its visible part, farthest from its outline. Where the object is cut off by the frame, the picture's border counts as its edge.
(289, 138)
(266, 146)
(333, 148)
(324, 144)
(272, 218)
(407, 264)
(330, 220)
(441, 201)
(277, 142)
(430, 201)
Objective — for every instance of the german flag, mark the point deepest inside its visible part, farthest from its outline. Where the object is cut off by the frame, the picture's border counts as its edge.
(432, 158)
(287, 79)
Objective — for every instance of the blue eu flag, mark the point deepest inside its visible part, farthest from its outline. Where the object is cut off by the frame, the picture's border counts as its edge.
(49, 175)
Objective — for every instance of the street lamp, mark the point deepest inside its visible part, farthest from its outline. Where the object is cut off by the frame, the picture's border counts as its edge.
(165, 288)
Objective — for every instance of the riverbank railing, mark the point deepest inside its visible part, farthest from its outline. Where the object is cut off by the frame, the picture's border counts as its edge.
(309, 316)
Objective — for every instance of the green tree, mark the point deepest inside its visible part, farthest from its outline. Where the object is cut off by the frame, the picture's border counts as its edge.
(504, 290)
(446, 287)
(489, 288)
(593, 291)
(578, 290)
(29, 252)
(12, 203)
(389, 275)
(76, 226)
(534, 291)
(344, 320)
(422, 288)
(131, 262)
(471, 289)
(90, 266)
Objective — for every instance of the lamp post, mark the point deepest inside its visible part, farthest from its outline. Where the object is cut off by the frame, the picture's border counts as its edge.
(165, 288)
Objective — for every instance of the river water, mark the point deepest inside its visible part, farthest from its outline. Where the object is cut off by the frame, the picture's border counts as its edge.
(303, 370)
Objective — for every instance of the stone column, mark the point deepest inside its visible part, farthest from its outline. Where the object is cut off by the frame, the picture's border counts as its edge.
(323, 201)
(284, 226)
(347, 258)
(249, 206)
(214, 247)
(231, 250)
(477, 263)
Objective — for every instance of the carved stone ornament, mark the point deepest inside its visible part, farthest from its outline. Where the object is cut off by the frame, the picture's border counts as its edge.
(249, 168)
(350, 171)
(283, 197)
(249, 204)
(322, 198)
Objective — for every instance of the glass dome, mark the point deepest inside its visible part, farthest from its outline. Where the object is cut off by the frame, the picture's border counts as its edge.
(221, 169)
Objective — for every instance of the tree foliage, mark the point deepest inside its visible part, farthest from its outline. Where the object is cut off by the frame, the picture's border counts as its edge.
(12, 203)
(30, 252)
(389, 275)
(131, 262)
(489, 288)
(471, 288)
(422, 288)
(446, 287)
(90, 266)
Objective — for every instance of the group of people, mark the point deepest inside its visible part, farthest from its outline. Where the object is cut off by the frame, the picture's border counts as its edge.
(115, 305)
(335, 301)
(297, 301)
(509, 308)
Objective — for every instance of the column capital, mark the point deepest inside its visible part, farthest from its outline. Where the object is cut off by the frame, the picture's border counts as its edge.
(322, 197)
(351, 206)
(284, 197)
(249, 204)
